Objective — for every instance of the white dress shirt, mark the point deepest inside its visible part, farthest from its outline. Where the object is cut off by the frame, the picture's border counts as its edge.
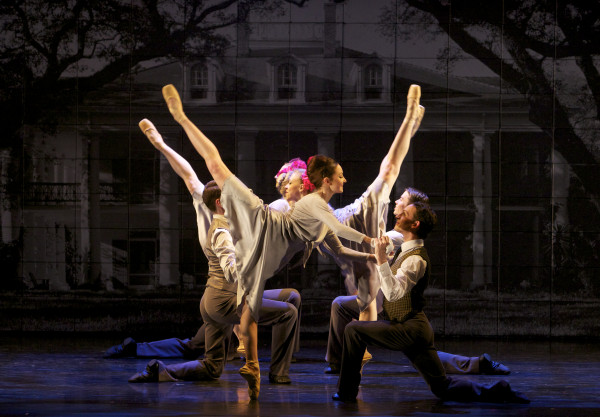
(412, 270)
(222, 244)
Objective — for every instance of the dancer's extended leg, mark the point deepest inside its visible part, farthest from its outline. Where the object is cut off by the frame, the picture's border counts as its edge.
(369, 313)
(251, 370)
(390, 166)
(201, 143)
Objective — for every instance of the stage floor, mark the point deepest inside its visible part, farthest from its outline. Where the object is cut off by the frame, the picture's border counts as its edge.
(62, 375)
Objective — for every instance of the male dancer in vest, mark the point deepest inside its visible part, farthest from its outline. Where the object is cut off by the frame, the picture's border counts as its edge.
(406, 328)
(344, 309)
(218, 305)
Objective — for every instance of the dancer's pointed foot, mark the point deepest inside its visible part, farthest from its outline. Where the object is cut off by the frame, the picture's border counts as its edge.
(151, 133)
(414, 92)
(366, 358)
(252, 376)
(420, 114)
(173, 101)
(412, 104)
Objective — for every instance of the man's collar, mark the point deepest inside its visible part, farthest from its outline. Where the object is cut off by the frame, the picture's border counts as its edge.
(411, 244)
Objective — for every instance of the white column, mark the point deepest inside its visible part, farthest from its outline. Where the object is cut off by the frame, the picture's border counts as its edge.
(482, 238)
(168, 225)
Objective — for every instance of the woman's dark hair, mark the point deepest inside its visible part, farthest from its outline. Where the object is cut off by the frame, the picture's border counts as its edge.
(210, 195)
(319, 168)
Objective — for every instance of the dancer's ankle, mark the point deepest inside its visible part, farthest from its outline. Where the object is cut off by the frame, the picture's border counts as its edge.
(181, 118)
(417, 121)
(253, 365)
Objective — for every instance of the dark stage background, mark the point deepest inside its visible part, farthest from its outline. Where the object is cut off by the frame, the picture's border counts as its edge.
(98, 234)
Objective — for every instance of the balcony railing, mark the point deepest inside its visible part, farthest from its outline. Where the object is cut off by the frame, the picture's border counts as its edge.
(43, 193)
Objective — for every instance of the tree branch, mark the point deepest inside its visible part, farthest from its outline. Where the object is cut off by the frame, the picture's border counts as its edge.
(27, 32)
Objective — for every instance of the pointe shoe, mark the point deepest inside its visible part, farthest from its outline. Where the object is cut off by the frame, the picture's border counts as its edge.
(414, 92)
(253, 378)
(146, 126)
(412, 102)
(366, 358)
(418, 119)
(173, 101)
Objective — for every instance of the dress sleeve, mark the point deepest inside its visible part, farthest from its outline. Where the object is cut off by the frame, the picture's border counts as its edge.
(322, 212)
(341, 251)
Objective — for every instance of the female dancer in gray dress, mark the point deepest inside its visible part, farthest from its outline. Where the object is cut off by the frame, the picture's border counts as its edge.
(368, 213)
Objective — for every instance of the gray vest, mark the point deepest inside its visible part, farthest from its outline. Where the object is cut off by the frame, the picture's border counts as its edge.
(216, 276)
(413, 301)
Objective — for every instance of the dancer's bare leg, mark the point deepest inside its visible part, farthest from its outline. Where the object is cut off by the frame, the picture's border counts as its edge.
(390, 166)
(238, 333)
(177, 162)
(418, 120)
(251, 370)
(201, 143)
(369, 313)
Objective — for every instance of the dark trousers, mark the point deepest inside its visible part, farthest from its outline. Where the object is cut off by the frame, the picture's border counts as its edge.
(190, 348)
(344, 310)
(219, 312)
(193, 348)
(414, 338)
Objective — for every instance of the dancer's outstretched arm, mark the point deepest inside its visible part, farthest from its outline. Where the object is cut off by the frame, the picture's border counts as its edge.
(390, 166)
(201, 143)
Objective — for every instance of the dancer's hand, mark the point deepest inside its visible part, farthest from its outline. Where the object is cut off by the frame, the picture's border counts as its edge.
(381, 249)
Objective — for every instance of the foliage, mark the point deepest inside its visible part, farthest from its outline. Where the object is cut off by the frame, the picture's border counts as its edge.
(545, 51)
(575, 260)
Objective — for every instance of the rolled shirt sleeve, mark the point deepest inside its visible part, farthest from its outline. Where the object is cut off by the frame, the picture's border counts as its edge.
(222, 244)
(407, 276)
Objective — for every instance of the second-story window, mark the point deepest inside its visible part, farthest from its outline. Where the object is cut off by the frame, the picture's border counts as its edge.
(200, 82)
(287, 81)
(373, 82)
(287, 78)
